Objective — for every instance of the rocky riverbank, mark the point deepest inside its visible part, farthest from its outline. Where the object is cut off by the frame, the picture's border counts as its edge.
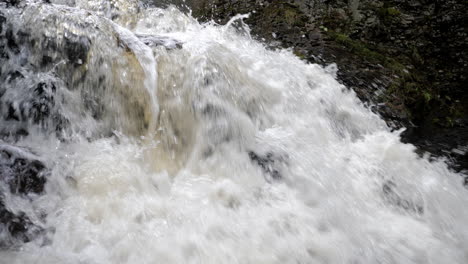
(407, 59)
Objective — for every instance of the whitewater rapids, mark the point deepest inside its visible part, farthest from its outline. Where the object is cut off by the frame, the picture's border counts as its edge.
(235, 154)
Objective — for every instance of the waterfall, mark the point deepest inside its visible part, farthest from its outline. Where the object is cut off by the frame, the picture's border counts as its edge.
(167, 140)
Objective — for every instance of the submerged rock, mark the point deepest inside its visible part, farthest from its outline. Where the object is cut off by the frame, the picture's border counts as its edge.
(154, 41)
(270, 163)
(395, 197)
(15, 228)
(28, 99)
(21, 171)
(77, 48)
(22, 174)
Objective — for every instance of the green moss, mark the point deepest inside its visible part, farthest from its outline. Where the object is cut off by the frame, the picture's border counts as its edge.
(299, 54)
(290, 15)
(449, 122)
(427, 96)
(393, 12)
(389, 14)
(361, 49)
(285, 12)
(420, 98)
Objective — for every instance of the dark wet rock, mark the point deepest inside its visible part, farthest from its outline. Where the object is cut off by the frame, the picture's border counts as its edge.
(270, 163)
(3, 54)
(9, 3)
(154, 41)
(43, 102)
(17, 3)
(28, 96)
(16, 228)
(13, 75)
(70, 47)
(11, 113)
(76, 48)
(22, 174)
(31, 103)
(21, 171)
(2, 21)
(11, 41)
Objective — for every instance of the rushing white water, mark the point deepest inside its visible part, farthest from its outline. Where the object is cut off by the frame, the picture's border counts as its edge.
(247, 156)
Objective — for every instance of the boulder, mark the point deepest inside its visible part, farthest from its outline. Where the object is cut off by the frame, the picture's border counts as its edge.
(62, 66)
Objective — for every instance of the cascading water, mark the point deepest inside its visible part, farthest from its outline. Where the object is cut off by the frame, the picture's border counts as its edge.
(171, 141)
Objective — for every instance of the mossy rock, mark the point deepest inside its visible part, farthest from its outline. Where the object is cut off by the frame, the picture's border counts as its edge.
(368, 53)
(285, 13)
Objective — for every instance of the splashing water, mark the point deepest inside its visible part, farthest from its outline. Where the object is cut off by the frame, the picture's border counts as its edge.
(182, 142)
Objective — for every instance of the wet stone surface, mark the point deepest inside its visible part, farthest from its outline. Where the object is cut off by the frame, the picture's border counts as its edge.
(22, 174)
(270, 163)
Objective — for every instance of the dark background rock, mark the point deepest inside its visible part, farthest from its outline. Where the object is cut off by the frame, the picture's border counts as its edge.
(11, 2)
(21, 174)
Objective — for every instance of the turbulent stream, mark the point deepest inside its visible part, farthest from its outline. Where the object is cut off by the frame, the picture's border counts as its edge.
(171, 141)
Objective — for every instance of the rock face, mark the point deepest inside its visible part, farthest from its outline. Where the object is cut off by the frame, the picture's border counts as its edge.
(407, 58)
(22, 174)
(54, 70)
